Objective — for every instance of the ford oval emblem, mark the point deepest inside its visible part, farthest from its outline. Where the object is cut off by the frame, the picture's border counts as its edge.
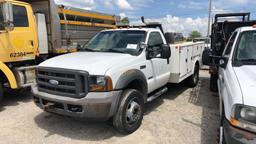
(54, 82)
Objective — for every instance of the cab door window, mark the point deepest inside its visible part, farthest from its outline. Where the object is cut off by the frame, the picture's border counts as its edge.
(20, 17)
(1, 18)
(155, 42)
(230, 45)
(155, 39)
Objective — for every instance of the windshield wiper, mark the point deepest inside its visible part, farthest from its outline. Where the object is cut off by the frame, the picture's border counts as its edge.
(248, 60)
(113, 50)
(87, 49)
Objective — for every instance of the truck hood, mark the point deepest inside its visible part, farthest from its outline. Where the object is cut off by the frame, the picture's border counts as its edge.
(246, 76)
(96, 63)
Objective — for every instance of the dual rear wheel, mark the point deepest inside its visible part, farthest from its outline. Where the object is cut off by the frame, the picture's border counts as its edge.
(194, 79)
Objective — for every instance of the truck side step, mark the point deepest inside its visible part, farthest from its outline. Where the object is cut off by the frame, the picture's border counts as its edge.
(157, 94)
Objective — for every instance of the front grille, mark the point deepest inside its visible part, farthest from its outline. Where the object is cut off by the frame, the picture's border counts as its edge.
(62, 82)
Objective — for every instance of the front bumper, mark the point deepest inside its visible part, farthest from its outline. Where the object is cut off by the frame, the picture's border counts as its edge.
(96, 105)
(235, 135)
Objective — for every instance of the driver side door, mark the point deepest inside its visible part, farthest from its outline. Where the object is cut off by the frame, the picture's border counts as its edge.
(225, 76)
(160, 66)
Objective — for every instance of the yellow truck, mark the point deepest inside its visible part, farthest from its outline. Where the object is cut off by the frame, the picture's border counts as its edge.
(32, 31)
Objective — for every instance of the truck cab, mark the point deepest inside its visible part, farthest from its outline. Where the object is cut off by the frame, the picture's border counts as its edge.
(18, 32)
(236, 87)
(18, 44)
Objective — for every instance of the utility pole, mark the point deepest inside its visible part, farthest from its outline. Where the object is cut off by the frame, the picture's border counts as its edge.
(209, 18)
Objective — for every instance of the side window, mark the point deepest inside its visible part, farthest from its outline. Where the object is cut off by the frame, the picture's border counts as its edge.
(1, 18)
(155, 39)
(230, 44)
(20, 17)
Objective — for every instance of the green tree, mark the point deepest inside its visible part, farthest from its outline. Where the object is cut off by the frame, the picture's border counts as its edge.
(125, 20)
(194, 34)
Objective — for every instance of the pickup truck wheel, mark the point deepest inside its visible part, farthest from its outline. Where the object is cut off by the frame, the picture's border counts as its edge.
(193, 80)
(130, 112)
(213, 83)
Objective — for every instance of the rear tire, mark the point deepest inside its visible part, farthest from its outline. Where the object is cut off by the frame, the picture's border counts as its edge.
(194, 79)
(213, 83)
(130, 112)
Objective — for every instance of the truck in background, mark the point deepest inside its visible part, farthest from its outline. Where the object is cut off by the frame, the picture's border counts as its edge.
(32, 31)
(222, 28)
(115, 74)
(235, 67)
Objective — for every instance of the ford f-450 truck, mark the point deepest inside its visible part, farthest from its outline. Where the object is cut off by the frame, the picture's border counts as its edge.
(236, 87)
(114, 75)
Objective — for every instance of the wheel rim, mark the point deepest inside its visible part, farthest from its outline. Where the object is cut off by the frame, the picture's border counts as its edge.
(133, 112)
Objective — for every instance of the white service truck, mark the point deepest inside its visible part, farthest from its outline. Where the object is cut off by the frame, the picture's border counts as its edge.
(114, 75)
(237, 87)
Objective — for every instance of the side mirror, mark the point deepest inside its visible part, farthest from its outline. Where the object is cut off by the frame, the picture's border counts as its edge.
(223, 62)
(162, 51)
(7, 11)
(166, 51)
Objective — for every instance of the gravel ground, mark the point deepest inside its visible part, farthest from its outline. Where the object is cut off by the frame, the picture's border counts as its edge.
(182, 116)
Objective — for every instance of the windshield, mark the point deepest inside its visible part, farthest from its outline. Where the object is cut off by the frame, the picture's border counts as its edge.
(124, 41)
(246, 50)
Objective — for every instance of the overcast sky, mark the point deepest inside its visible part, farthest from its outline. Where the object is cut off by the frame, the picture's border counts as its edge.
(179, 15)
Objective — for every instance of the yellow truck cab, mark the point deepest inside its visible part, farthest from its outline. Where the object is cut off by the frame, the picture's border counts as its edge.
(18, 41)
(32, 31)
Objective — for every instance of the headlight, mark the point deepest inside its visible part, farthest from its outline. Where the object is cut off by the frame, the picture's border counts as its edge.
(100, 83)
(244, 117)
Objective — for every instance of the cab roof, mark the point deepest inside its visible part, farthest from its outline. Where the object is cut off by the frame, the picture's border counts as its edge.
(135, 29)
(247, 28)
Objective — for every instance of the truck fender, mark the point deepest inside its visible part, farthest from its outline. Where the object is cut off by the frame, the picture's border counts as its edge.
(9, 75)
(133, 75)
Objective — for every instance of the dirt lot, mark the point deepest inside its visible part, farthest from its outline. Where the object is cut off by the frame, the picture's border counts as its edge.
(182, 116)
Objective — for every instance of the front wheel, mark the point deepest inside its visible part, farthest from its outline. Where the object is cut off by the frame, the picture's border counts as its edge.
(130, 112)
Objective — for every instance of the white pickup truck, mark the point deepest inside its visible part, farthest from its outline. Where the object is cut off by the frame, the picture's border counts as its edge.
(114, 75)
(237, 87)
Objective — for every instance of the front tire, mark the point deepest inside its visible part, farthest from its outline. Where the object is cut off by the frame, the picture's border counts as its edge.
(130, 112)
